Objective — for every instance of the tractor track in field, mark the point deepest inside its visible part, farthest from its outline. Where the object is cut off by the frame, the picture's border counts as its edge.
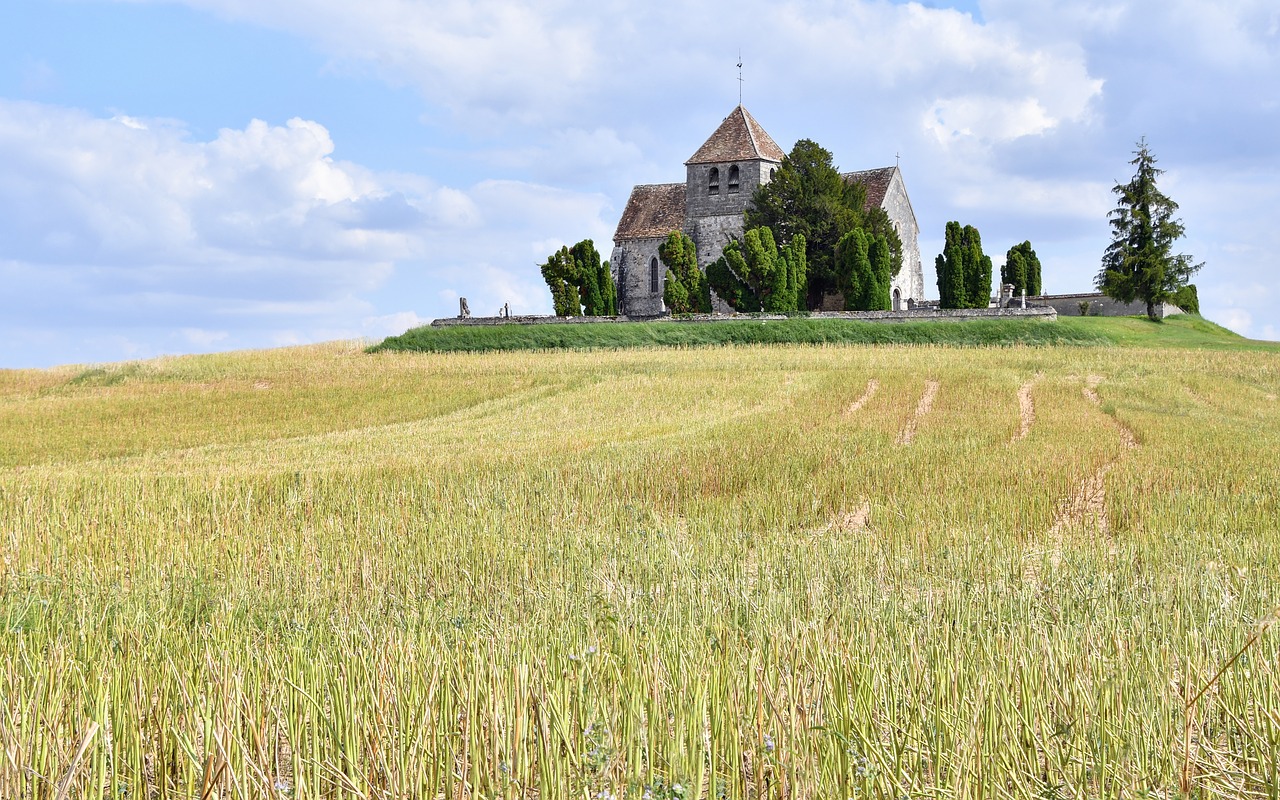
(873, 386)
(1088, 500)
(1026, 410)
(925, 405)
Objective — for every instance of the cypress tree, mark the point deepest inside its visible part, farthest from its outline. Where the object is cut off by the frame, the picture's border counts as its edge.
(950, 267)
(978, 270)
(724, 275)
(686, 290)
(881, 258)
(853, 260)
(1022, 269)
(755, 275)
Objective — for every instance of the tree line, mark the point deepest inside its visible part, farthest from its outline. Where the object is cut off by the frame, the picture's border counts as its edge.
(808, 233)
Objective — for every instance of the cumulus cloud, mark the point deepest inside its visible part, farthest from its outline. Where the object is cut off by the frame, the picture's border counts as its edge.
(130, 225)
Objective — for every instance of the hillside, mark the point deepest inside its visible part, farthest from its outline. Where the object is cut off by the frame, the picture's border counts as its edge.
(753, 571)
(1177, 331)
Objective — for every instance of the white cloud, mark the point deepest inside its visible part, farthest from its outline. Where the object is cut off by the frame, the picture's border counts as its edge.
(256, 236)
(1237, 319)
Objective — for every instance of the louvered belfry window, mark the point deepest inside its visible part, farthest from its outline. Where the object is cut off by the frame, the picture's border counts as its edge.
(733, 179)
(713, 181)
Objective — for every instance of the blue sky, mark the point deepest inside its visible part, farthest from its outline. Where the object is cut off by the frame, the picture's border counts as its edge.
(194, 175)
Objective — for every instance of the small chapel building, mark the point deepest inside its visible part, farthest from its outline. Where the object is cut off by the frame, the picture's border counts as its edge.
(708, 207)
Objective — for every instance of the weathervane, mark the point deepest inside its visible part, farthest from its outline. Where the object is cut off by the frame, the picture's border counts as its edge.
(739, 77)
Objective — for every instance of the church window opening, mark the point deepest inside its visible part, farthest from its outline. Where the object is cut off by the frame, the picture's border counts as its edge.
(772, 172)
(713, 181)
(733, 178)
(654, 277)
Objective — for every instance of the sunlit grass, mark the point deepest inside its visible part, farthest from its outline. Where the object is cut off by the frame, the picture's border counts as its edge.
(568, 574)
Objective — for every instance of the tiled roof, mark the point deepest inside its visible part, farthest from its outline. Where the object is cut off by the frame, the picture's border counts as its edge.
(876, 181)
(653, 210)
(739, 138)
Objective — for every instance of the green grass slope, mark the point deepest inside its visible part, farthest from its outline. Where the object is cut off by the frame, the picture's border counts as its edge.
(1179, 331)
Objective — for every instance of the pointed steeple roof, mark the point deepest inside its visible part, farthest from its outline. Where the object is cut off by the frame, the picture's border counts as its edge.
(739, 138)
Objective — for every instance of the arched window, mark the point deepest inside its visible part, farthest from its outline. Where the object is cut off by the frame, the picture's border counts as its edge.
(772, 172)
(655, 278)
(713, 181)
(733, 178)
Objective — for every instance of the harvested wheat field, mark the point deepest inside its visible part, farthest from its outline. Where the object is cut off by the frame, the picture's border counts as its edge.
(749, 572)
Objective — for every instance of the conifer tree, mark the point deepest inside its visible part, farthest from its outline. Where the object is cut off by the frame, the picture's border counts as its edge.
(853, 270)
(560, 273)
(686, 290)
(755, 275)
(882, 274)
(1139, 264)
(1021, 269)
(950, 267)
(964, 271)
(978, 270)
(578, 279)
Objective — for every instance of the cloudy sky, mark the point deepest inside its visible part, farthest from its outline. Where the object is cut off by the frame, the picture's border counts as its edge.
(193, 175)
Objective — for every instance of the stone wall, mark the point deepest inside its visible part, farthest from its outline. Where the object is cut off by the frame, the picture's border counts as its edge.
(1068, 305)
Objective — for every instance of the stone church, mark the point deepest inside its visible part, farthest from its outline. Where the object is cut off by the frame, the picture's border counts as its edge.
(719, 181)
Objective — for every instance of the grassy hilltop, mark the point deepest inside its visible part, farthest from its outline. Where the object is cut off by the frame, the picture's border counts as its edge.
(1179, 331)
(755, 571)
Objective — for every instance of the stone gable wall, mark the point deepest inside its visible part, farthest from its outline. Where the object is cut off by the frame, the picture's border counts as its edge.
(630, 264)
(910, 280)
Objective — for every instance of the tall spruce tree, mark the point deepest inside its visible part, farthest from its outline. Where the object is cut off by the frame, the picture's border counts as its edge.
(685, 290)
(1140, 264)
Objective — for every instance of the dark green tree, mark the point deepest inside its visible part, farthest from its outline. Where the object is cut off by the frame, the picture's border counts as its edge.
(882, 271)
(964, 271)
(853, 270)
(978, 270)
(1140, 264)
(864, 266)
(1187, 299)
(808, 197)
(755, 275)
(560, 273)
(1022, 269)
(686, 290)
(952, 291)
(578, 280)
